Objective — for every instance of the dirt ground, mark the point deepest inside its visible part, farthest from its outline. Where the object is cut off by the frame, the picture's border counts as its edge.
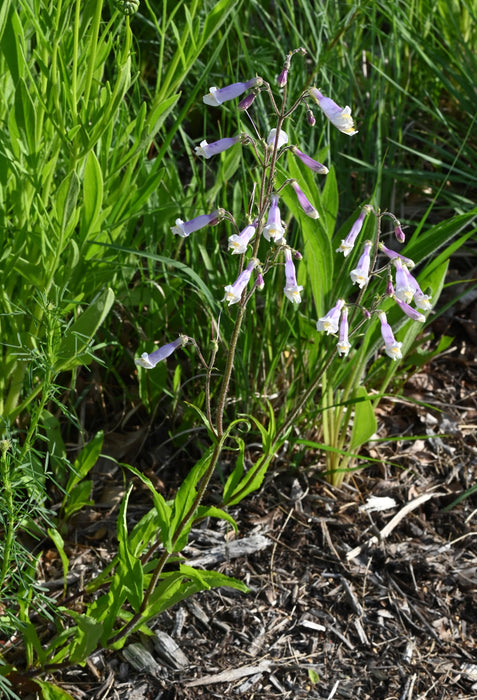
(369, 591)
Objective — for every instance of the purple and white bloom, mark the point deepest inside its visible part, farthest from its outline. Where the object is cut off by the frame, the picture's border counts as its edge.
(392, 255)
(273, 229)
(207, 150)
(304, 202)
(151, 360)
(185, 228)
(409, 311)
(310, 162)
(399, 233)
(329, 323)
(238, 242)
(282, 138)
(360, 275)
(292, 289)
(347, 244)
(343, 342)
(216, 96)
(391, 346)
(421, 300)
(259, 281)
(406, 285)
(339, 117)
(233, 292)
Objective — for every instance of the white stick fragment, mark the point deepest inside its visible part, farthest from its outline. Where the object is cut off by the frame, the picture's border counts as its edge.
(389, 527)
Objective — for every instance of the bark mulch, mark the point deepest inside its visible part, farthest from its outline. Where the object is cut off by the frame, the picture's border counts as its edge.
(367, 592)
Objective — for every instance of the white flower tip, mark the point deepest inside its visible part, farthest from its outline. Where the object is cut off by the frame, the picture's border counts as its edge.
(144, 361)
(210, 98)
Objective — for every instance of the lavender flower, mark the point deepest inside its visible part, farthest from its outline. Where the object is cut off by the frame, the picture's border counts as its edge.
(340, 118)
(329, 323)
(282, 138)
(303, 201)
(233, 292)
(360, 275)
(185, 228)
(409, 311)
(347, 244)
(309, 162)
(247, 101)
(343, 342)
(216, 96)
(292, 289)
(391, 346)
(151, 360)
(207, 150)
(273, 229)
(238, 242)
(392, 255)
(406, 285)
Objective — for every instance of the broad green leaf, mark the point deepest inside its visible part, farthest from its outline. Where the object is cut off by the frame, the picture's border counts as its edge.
(86, 459)
(88, 633)
(130, 567)
(92, 193)
(50, 691)
(77, 498)
(364, 424)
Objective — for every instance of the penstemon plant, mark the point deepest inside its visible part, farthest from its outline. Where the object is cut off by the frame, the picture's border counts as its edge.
(370, 297)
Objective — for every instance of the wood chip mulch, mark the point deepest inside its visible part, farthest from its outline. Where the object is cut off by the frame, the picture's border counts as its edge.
(365, 592)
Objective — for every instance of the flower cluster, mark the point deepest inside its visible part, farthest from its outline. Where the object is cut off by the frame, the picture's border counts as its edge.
(404, 290)
(266, 223)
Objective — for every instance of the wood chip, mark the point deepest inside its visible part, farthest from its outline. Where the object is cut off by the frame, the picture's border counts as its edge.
(169, 650)
(232, 674)
(230, 550)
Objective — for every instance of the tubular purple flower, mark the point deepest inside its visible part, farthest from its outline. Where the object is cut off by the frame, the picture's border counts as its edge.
(216, 97)
(151, 360)
(309, 162)
(339, 117)
(273, 230)
(304, 202)
(329, 323)
(360, 275)
(259, 281)
(406, 285)
(347, 244)
(282, 138)
(233, 292)
(292, 289)
(391, 346)
(282, 78)
(343, 342)
(238, 242)
(207, 150)
(247, 101)
(399, 233)
(392, 255)
(185, 228)
(409, 311)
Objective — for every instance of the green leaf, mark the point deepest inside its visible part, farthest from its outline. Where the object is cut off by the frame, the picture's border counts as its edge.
(59, 543)
(77, 498)
(66, 201)
(50, 691)
(86, 638)
(73, 348)
(93, 195)
(130, 567)
(213, 512)
(86, 460)
(364, 424)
